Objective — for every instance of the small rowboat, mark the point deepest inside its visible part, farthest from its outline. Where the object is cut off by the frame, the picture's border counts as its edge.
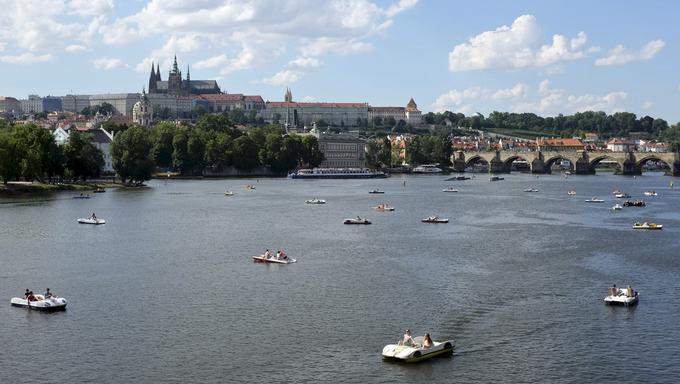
(357, 221)
(273, 259)
(315, 201)
(434, 220)
(92, 221)
(383, 208)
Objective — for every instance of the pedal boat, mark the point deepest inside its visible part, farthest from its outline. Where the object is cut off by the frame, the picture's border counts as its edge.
(415, 353)
(357, 221)
(92, 221)
(622, 296)
(273, 259)
(43, 304)
(434, 220)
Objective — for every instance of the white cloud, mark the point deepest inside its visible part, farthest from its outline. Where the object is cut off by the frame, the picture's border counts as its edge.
(544, 100)
(647, 105)
(620, 55)
(323, 45)
(309, 99)
(401, 6)
(26, 58)
(108, 63)
(517, 46)
(90, 7)
(212, 62)
(75, 48)
(284, 77)
(304, 63)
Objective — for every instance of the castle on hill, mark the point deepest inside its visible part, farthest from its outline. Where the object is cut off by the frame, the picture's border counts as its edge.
(178, 86)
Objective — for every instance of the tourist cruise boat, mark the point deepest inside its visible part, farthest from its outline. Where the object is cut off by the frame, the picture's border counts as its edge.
(427, 168)
(646, 225)
(336, 173)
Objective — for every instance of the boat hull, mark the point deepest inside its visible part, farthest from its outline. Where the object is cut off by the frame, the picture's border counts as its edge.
(409, 354)
(91, 221)
(262, 259)
(356, 222)
(54, 304)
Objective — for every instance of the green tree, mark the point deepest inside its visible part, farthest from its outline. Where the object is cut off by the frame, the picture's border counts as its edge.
(218, 151)
(180, 153)
(245, 153)
(163, 135)
(83, 159)
(132, 156)
(311, 154)
(10, 156)
(196, 153)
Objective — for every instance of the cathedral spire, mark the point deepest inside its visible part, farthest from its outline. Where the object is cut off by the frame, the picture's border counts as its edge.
(188, 74)
(175, 69)
(152, 78)
(158, 72)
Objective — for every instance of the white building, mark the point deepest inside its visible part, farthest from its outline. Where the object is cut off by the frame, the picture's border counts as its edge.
(101, 138)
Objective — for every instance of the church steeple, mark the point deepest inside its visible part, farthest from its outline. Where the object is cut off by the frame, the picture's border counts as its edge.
(288, 98)
(175, 69)
(188, 74)
(152, 78)
(158, 72)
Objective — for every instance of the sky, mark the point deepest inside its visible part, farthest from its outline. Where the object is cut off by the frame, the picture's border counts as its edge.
(545, 57)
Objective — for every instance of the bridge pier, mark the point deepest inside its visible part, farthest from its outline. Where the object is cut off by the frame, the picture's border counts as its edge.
(583, 167)
(630, 168)
(458, 160)
(675, 168)
(497, 166)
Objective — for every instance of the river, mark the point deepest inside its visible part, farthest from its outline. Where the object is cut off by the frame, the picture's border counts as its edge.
(166, 291)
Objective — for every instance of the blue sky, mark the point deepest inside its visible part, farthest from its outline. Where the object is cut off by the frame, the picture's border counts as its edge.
(547, 57)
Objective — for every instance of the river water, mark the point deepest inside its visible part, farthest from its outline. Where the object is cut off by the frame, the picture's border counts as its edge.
(166, 290)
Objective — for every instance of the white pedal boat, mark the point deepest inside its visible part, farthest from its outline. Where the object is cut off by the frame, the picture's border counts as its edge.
(531, 190)
(594, 200)
(414, 353)
(622, 296)
(90, 220)
(273, 259)
(617, 207)
(51, 304)
(315, 201)
(434, 220)
(650, 193)
(228, 193)
(449, 189)
(383, 208)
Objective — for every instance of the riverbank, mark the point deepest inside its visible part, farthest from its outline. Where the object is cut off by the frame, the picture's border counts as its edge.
(25, 187)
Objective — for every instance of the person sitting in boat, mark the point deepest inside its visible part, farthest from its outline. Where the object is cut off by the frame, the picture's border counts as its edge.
(93, 217)
(278, 255)
(407, 339)
(427, 341)
(615, 291)
(358, 218)
(31, 297)
(630, 292)
(47, 293)
(26, 293)
(282, 255)
(267, 254)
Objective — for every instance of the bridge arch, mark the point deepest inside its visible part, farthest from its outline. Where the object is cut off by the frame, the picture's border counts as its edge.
(551, 161)
(651, 157)
(596, 161)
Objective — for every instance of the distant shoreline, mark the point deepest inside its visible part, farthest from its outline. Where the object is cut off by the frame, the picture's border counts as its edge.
(21, 187)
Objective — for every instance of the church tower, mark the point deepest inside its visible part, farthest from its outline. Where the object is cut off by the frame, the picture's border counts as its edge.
(158, 72)
(288, 98)
(141, 111)
(175, 80)
(152, 80)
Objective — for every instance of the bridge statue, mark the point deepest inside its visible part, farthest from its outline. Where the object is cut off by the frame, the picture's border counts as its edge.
(582, 162)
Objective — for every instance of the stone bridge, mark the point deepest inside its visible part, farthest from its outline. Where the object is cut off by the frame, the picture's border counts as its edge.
(582, 162)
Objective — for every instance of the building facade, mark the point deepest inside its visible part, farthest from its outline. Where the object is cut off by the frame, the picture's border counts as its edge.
(560, 145)
(37, 104)
(75, 103)
(344, 150)
(9, 105)
(223, 102)
(177, 85)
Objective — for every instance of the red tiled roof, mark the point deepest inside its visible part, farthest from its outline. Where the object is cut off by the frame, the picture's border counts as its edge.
(387, 109)
(560, 142)
(333, 105)
(254, 98)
